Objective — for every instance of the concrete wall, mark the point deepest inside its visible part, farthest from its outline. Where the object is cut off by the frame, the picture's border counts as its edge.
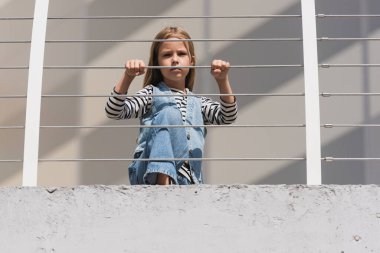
(256, 142)
(220, 218)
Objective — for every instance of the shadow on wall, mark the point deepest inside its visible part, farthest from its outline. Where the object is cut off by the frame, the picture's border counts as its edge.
(338, 172)
(266, 81)
(237, 53)
(125, 139)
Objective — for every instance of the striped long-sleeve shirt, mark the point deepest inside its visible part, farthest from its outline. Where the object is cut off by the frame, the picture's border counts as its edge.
(126, 107)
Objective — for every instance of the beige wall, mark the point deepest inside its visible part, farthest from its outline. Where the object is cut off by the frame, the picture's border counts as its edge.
(230, 142)
(13, 82)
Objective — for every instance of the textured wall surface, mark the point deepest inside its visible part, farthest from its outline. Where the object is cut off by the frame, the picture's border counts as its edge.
(235, 218)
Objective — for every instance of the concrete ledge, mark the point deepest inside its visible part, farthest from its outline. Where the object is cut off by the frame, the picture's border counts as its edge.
(235, 218)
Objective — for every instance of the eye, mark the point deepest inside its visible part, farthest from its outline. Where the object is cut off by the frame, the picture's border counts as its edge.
(182, 53)
(166, 55)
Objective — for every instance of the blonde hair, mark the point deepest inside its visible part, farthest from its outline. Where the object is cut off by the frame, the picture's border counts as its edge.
(154, 76)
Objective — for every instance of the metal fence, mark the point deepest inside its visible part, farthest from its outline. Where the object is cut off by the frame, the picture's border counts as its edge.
(310, 66)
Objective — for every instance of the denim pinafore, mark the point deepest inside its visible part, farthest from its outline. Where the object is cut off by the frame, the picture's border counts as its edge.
(168, 142)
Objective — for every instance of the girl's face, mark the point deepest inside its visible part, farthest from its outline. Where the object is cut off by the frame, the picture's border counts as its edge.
(174, 53)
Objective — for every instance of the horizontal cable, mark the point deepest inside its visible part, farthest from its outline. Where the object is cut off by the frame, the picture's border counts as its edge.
(320, 15)
(348, 16)
(328, 94)
(12, 127)
(169, 159)
(161, 95)
(180, 126)
(154, 67)
(14, 41)
(153, 40)
(165, 40)
(14, 67)
(158, 17)
(171, 67)
(16, 18)
(176, 17)
(349, 125)
(13, 96)
(346, 39)
(331, 159)
(177, 95)
(10, 161)
(167, 126)
(326, 65)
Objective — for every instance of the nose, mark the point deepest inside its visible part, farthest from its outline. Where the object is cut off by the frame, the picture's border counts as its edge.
(175, 60)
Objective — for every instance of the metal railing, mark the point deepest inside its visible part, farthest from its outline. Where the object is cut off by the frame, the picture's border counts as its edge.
(311, 94)
(40, 20)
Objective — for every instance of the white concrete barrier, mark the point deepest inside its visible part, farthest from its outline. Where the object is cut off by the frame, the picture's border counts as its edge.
(235, 218)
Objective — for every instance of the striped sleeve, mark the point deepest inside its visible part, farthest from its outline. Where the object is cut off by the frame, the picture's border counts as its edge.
(121, 106)
(218, 113)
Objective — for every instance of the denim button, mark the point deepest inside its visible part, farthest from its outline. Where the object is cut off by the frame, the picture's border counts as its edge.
(188, 136)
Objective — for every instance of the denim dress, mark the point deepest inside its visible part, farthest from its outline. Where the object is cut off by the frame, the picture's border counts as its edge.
(163, 141)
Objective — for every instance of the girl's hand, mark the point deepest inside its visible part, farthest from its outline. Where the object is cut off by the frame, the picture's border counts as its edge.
(134, 68)
(219, 69)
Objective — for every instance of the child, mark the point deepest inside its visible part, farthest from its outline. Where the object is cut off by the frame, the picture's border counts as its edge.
(162, 140)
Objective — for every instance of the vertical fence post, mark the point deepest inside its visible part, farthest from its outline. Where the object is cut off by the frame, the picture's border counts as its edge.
(33, 102)
(313, 126)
